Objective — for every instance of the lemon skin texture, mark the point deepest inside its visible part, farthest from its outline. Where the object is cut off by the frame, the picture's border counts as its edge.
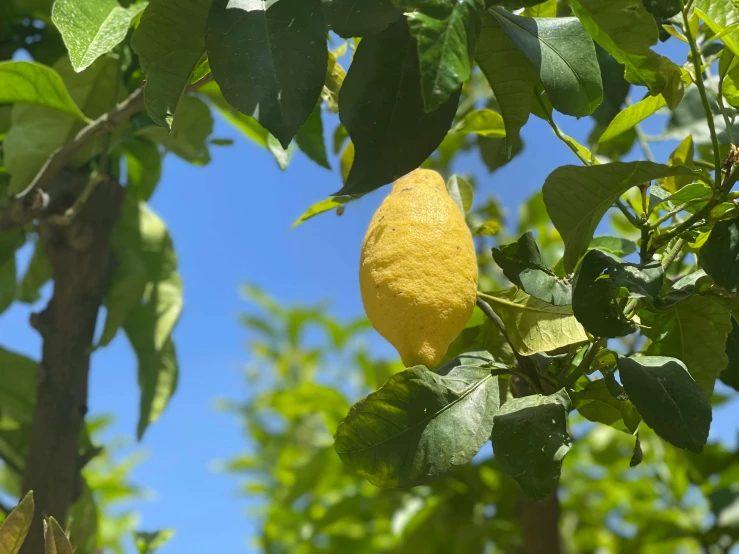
(418, 269)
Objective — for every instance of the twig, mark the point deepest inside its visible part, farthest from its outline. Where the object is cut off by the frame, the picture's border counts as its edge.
(697, 64)
(625, 210)
(561, 136)
(585, 363)
(672, 253)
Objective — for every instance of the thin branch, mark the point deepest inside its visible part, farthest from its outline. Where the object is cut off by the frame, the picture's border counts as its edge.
(560, 135)
(585, 363)
(697, 64)
(625, 210)
(672, 253)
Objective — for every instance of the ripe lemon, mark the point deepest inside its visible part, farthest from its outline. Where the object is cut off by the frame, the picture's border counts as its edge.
(418, 269)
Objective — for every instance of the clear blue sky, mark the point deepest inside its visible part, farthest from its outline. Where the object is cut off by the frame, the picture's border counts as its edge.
(231, 224)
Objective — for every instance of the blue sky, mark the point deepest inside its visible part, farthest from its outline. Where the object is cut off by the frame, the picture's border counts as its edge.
(231, 222)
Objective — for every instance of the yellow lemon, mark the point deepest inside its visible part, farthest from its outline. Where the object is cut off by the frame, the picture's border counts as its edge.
(418, 269)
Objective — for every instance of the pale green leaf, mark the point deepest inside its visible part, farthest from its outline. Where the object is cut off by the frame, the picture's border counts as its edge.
(16, 525)
(332, 203)
(149, 543)
(632, 116)
(534, 325)
(90, 28)
(486, 123)
(722, 17)
(37, 84)
(461, 192)
(56, 540)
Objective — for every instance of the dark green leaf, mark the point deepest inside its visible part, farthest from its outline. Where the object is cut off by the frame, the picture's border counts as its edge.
(696, 332)
(310, 139)
(668, 399)
(523, 265)
(418, 425)
(56, 540)
(563, 56)
(730, 374)
(381, 106)
(530, 440)
(33, 83)
(447, 34)
(254, 49)
(359, 18)
(578, 197)
(719, 256)
(170, 43)
(663, 9)
(626, 30)
(615, 87)
(597, 300)
(91, 28)
(461, 192)
(481, 337)
(638, 455)
(596, 403)
(682, 289)
(510, 76)
(15, 527)
(149, 543)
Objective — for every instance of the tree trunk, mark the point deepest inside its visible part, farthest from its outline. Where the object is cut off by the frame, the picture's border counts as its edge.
(539, 520)
(540, 524)
(81, 260)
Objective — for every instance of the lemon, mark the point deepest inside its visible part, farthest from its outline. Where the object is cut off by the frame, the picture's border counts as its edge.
(418, 269)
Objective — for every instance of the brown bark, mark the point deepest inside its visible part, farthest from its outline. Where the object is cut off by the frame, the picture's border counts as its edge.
(539, 520)
(81, 260)
(540, 524)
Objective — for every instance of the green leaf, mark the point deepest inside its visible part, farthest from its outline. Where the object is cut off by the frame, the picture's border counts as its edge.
(682, 155)
(91, 28)
(310, 139)
(419, 424)
(39, 272)
(36, 132)
(668, 399)
(170, 42)
(722, 17)
(530, 440)
(484, 337)
(697, 329)
(728, 69)
(248, 126)
(488, 229)
(446, 34)
(597, 300)
(461, 192)
(730, 374)
(282, 155)
(534, 325)
(56, 541)
(563, 56)
(626, 30)
(596, 403)
(547, 8)
(83, 521)
(663, 9)
(719, 256)
(359, 18)
(254, 49)
(632, 116)
(148, 543)
(614, 245)
(37, 84)
(188, 138)
(510, 75)
(486, 123)
(333, 203)
(524, 266)
(143, 166)
(684, 288)
(15, 527)
(381, 106)
(142, 241)
(17, 386)
(577, 197)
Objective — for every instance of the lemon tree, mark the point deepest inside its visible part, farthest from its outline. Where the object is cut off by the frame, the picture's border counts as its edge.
(615, 301)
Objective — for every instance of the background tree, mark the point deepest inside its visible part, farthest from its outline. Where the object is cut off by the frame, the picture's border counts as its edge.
(620, 329)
